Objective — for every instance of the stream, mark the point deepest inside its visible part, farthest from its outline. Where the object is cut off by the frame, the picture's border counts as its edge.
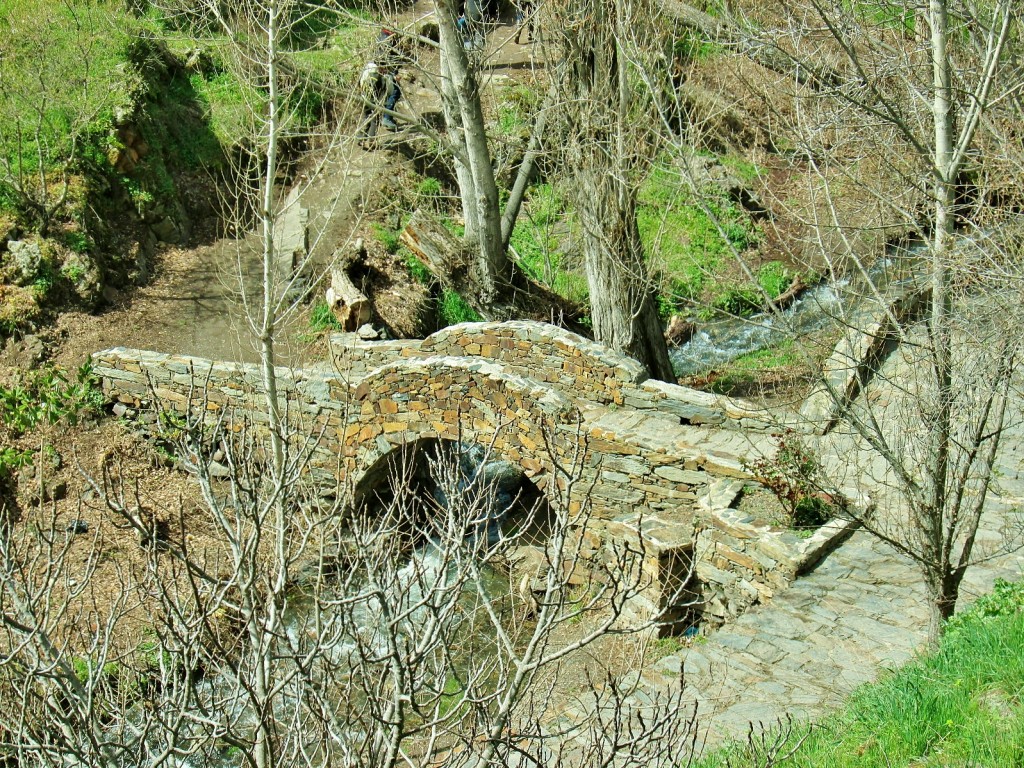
(374, 604)
(728, 337)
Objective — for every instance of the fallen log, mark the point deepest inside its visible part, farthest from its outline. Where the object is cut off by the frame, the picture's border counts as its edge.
(349, 304)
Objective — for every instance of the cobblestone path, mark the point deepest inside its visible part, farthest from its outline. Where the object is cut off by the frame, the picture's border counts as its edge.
(860, 611)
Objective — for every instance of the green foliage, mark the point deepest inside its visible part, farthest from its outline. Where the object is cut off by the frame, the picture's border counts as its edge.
(884, 14)
(740, 301)
(453, 309)
(389, 238)
(229, 106)
(12, 459)
(516, 106)
(538, 248)
(178, 125)
(321, 318)
(794, 475)
(429, 188)
(960, 706)
(79, 242)
(743, 169)
(1006, 599)
(746, 370)
(690, 240)
(50, 395)
(774, 278)
(417, 268)
(691, 45)
(65, 78)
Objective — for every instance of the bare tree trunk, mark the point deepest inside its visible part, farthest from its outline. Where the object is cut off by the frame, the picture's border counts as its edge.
(609, 153)
(478, 187)
(622, 305)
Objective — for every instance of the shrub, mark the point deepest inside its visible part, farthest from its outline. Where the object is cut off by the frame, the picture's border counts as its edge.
(50, 395)
(773, 278)
(794, 475)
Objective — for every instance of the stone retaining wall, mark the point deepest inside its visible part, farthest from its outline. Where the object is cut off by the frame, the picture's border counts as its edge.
(869, 330)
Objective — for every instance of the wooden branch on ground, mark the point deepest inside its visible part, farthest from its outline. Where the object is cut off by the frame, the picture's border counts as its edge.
(789, 295)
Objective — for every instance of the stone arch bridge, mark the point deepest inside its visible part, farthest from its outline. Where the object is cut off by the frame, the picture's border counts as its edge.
(662, 463)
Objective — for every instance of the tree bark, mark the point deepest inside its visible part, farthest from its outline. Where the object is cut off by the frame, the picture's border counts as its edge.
(610, 147)
(622, 306)
(447, 259)
(474, 170)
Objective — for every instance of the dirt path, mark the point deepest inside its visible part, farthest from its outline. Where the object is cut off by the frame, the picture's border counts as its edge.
(194, 304)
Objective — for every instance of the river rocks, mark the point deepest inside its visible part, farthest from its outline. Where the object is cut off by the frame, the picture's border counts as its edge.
(367, 332)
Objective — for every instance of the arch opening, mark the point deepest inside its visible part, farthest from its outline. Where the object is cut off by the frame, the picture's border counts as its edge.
(429, 485)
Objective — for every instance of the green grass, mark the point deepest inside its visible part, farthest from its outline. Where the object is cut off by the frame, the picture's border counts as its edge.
(744, 170)
(774, 278)
(516, 105)
(691, 45)
(961, 706)
(417, 268)
(691, 241)
(453, 309)
(539, 248)
(321, 318)
(66, 75)
(746, 370)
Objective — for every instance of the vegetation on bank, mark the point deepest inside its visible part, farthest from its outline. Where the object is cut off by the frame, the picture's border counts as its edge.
(961, 705)
(115, 129)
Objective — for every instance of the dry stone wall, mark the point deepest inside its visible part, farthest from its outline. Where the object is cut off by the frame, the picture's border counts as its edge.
(588, 372)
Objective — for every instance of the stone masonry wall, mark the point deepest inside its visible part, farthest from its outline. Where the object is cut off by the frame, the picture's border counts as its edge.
(632, 495)
(638, 470)
(583, 369)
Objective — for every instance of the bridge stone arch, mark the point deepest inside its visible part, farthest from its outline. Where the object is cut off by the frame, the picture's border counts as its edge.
(462, 401)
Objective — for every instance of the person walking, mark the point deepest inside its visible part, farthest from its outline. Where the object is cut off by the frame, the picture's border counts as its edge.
(372, 85)
(524, 19)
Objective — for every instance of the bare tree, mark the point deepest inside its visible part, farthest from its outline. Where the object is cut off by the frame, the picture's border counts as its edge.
(491, 282)
(612, 133)
(913, 116)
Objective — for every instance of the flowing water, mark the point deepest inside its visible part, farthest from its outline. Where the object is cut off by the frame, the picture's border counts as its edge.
(722, 340)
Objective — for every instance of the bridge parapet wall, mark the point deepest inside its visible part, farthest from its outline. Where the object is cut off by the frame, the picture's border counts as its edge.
(586, 371)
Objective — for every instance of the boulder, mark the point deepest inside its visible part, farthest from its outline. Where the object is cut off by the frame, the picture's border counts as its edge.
(84, 275)
(26, 260)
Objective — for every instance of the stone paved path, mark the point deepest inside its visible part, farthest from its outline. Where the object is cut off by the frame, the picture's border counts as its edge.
(860, 611)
